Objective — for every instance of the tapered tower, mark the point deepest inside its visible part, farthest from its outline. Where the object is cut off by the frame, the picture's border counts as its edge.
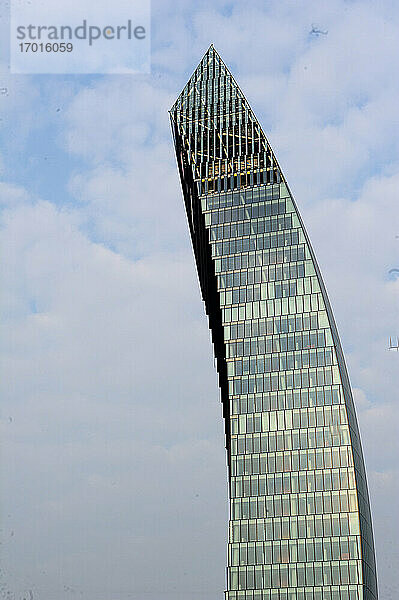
(300, 524)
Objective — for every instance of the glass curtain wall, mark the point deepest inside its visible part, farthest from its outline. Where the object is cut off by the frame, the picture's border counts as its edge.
(300, 524)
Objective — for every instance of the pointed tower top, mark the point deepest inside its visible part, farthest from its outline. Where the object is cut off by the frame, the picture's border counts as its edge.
(213, 122)
(210, 67)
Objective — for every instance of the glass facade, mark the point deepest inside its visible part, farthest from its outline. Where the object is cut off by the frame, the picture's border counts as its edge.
(300, 525)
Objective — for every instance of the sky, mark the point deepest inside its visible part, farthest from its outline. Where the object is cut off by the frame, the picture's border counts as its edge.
(113, 467)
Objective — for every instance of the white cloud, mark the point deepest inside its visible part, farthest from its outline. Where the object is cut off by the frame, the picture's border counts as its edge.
(101, 393)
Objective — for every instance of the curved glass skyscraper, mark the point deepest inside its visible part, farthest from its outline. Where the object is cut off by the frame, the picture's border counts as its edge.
(300, 525)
